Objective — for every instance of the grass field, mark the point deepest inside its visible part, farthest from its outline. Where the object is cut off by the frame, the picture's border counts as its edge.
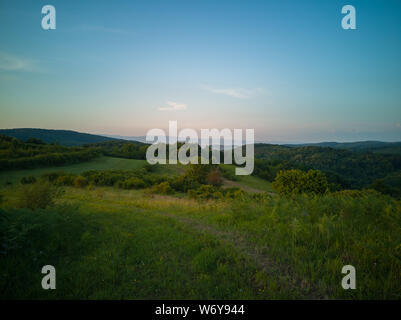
(101, 163)
(116, 244)
(110, 243)
(248, 183)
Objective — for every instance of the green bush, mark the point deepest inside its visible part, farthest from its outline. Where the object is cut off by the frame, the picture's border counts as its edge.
(28, 180)
(291, 182)
(199, 172)
(65, 180)
(80, 182)
(133, 183)
(162, 188)
(205, 192)
(38, 195)
(184, 183)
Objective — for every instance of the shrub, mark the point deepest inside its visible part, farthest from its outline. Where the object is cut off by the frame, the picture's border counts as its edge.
(214, 178)
(65, 180)
(38, 195)
(198, 172)
(28, 180)
(133, 183)
(184, 183)
(227, 173)
(355, 193)
(206, 191)
(232, 193)
(80, 182)
(291, 182)
(162, 188)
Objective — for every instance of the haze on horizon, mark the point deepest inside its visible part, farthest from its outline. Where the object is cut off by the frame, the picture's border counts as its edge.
(285, 68)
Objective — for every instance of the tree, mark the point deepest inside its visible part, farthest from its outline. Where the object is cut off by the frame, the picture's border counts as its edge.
(290, 182)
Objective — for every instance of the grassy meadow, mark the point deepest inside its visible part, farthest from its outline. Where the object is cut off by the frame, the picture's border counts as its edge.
(112, 243)
(101, 163)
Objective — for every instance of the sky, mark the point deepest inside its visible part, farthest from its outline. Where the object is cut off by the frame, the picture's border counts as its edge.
(285, 68)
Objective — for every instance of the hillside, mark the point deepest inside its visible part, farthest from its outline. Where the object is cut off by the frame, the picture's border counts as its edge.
(351, 169)
(371, 146)
(62, 137)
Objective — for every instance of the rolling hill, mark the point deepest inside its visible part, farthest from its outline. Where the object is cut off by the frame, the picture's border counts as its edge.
(372, 146)
(62, 137)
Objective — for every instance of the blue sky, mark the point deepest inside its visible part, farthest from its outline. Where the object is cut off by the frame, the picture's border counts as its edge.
(285, 68)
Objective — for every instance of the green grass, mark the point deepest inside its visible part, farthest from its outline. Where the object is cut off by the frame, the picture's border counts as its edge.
(104, 247)
(102, 163)
(247, 183)
(109, 243)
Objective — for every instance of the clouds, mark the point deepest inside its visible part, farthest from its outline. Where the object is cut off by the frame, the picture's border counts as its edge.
(173, 106)
(10, 62)
(238, 93)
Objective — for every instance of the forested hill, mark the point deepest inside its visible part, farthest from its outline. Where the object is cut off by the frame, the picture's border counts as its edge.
(352, 169)
(16, 154)
(62, 137)
(360, 146)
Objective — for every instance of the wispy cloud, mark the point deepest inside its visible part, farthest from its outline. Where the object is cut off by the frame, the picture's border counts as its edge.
(239, 93)
(11, 62)
(173, 106)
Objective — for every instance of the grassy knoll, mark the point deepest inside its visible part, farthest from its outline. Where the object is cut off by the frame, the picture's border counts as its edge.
(101, 163)
(110, 243)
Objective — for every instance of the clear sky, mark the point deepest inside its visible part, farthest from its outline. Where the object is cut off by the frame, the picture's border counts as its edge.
(285, 68)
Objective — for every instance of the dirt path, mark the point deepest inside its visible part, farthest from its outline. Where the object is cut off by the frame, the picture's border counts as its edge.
(259, 255)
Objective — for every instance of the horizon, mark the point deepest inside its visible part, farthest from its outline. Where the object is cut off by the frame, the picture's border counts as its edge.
(283, 68)
(139, 137)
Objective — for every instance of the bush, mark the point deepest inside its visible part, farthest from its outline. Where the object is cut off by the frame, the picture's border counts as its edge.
(65, 180)
(205, 192)
(133, 183)
(234, 193)
(80, 182)
(162, 188)
(227, 173)
(184, 183)
(28, 180)
(199, 172)
(291, 182)
(38, 195)
(214, 178)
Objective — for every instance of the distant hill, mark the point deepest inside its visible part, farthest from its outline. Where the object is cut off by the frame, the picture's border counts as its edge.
(356, 168)
(62, 137)
(372, 146)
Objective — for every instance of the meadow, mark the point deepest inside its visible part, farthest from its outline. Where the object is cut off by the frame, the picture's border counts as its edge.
(111, 243)
(101, 163)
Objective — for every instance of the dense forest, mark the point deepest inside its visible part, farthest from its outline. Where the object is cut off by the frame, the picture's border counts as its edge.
(15, 154)
(345, 168)
(122, 149)
(363, 146)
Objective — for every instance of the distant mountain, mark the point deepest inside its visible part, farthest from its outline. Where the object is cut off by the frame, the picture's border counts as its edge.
(373, 146)
(130, 138)
(62, 137)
